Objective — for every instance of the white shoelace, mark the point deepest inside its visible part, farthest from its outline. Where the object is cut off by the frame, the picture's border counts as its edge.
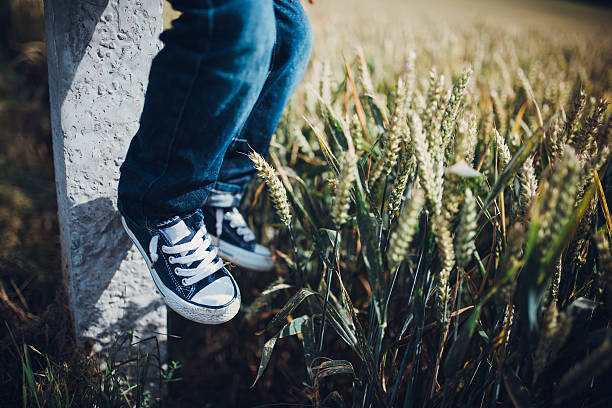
(236, 221)
(201, 253)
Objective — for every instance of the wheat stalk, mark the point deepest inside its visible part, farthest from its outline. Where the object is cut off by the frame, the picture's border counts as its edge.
(404, 173)
(276, 189)
(450, 113)
(466, 230)
(343, 188)
(364, 72)
(529, 185)
(406, 227)
(502, 149)
(447, 257)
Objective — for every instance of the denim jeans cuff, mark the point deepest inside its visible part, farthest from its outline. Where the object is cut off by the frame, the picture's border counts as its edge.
(225, 195)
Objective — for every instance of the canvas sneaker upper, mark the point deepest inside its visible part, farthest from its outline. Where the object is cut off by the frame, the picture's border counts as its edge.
(186, 269)
(235, 240)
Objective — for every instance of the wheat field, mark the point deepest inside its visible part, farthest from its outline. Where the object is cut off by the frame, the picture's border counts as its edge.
(441, 176)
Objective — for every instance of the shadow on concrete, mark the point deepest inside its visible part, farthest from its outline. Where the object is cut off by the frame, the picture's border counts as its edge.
(99, 244)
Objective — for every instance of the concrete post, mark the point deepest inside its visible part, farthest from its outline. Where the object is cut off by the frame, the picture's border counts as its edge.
(99, 53)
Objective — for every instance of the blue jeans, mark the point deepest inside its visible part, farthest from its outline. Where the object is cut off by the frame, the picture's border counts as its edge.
(216, 89)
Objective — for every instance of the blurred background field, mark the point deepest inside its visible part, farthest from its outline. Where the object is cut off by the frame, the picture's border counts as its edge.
(219, 364)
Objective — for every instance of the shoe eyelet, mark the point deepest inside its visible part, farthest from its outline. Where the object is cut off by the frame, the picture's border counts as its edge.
(183, 282)
(175, 271)
(171, 259)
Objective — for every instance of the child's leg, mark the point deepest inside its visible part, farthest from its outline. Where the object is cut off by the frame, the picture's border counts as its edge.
(290, 58)
(203, 85)
(235, 240)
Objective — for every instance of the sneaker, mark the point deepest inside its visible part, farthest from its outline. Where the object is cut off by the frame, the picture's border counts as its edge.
(235, 240)
(186, 269)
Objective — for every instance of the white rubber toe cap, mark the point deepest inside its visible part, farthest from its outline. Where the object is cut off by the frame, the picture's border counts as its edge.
(218, 293)
(262, 250)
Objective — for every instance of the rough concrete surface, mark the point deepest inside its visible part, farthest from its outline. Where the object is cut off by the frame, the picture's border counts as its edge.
(99, 54)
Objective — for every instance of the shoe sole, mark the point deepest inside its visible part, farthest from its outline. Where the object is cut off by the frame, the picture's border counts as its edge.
(243, 258)
(198, 314)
